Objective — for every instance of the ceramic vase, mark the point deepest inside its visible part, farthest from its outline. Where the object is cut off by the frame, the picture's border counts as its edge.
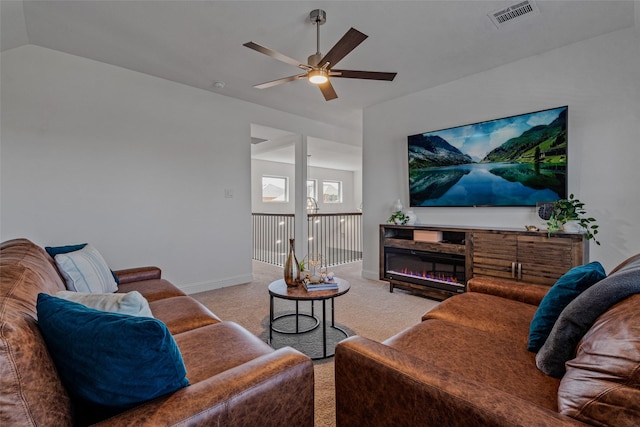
(572, 226)
(413, 218)
(291, 267)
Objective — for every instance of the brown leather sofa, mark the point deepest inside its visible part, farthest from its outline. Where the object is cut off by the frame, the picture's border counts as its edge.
(235, 378)
(467, 364)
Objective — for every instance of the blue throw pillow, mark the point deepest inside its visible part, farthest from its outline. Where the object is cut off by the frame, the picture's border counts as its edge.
(569, 286)
(56, 250)
(110, 359)
(581, 314)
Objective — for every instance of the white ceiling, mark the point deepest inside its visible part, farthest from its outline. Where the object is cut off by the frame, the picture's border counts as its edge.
(427, 43)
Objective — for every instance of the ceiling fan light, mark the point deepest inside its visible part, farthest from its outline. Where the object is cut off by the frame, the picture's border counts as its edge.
(318, 77)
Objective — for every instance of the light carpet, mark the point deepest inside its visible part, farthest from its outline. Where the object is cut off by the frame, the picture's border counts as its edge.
(368, 310)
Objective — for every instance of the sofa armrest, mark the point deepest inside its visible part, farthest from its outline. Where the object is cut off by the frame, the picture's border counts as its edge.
(518, 291)
(275, 389)
(377, 385)
(138, 274)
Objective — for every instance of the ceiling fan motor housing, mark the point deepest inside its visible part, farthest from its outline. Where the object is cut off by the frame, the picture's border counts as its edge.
(314, 60)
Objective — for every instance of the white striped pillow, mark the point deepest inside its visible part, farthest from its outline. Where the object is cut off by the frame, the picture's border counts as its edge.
(86, 271)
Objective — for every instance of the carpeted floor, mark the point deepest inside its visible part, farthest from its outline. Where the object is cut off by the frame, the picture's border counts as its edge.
(368, 310)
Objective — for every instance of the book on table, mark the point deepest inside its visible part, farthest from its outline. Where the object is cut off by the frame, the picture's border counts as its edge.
(320, 286)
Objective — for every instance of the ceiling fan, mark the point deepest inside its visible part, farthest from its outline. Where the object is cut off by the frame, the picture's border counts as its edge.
(319, 69)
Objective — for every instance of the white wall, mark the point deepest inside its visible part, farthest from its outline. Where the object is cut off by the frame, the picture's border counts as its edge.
(136, 165)
(598, 79)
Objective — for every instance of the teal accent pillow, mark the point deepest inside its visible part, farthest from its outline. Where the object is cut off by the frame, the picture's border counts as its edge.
(578, 317)
(110, 359)
(565, 290)
(55, 250)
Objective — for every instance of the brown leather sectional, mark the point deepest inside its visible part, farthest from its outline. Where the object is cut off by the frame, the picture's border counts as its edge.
(467, 364)
(236, 379)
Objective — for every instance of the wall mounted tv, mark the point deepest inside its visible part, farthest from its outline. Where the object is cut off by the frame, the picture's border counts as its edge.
(514, 161)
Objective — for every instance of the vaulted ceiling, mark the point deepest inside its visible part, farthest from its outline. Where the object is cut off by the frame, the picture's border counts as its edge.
(197, 43)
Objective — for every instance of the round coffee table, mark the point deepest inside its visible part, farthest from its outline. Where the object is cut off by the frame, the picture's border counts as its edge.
(279, 289)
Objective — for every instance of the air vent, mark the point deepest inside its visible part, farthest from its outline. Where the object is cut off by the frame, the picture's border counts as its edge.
(514, 13)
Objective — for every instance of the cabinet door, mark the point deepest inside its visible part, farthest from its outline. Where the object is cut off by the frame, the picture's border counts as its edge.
(494, 254)
(543, 260)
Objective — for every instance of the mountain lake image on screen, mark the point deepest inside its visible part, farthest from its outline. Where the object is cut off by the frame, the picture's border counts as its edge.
(514, 161)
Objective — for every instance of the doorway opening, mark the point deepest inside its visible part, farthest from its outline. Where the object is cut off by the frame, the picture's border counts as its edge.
(330, 220)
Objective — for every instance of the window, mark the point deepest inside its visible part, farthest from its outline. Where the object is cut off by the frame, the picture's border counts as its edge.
(312, 189)
(275, 189)
(332, 191)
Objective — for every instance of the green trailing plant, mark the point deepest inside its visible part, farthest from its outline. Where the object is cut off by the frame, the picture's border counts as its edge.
(398, 218)
(572, 209)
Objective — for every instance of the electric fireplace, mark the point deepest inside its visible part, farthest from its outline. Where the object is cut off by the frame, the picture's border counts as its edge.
(438, 271)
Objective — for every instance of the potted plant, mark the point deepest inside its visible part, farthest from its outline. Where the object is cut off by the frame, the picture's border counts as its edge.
(398, 218)
(570, 215)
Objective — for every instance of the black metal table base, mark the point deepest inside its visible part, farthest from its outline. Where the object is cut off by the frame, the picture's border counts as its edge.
(297, 315)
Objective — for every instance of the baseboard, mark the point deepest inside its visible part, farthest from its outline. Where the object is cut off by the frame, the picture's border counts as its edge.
(371, 275)
(194, 288)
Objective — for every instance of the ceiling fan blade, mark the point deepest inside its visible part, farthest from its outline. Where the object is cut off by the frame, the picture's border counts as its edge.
(279, 81)
(276, 55)
(370, 75)
(328, 91)
(346, 44)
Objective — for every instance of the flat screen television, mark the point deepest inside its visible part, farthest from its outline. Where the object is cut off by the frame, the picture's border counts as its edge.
(514, 161)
